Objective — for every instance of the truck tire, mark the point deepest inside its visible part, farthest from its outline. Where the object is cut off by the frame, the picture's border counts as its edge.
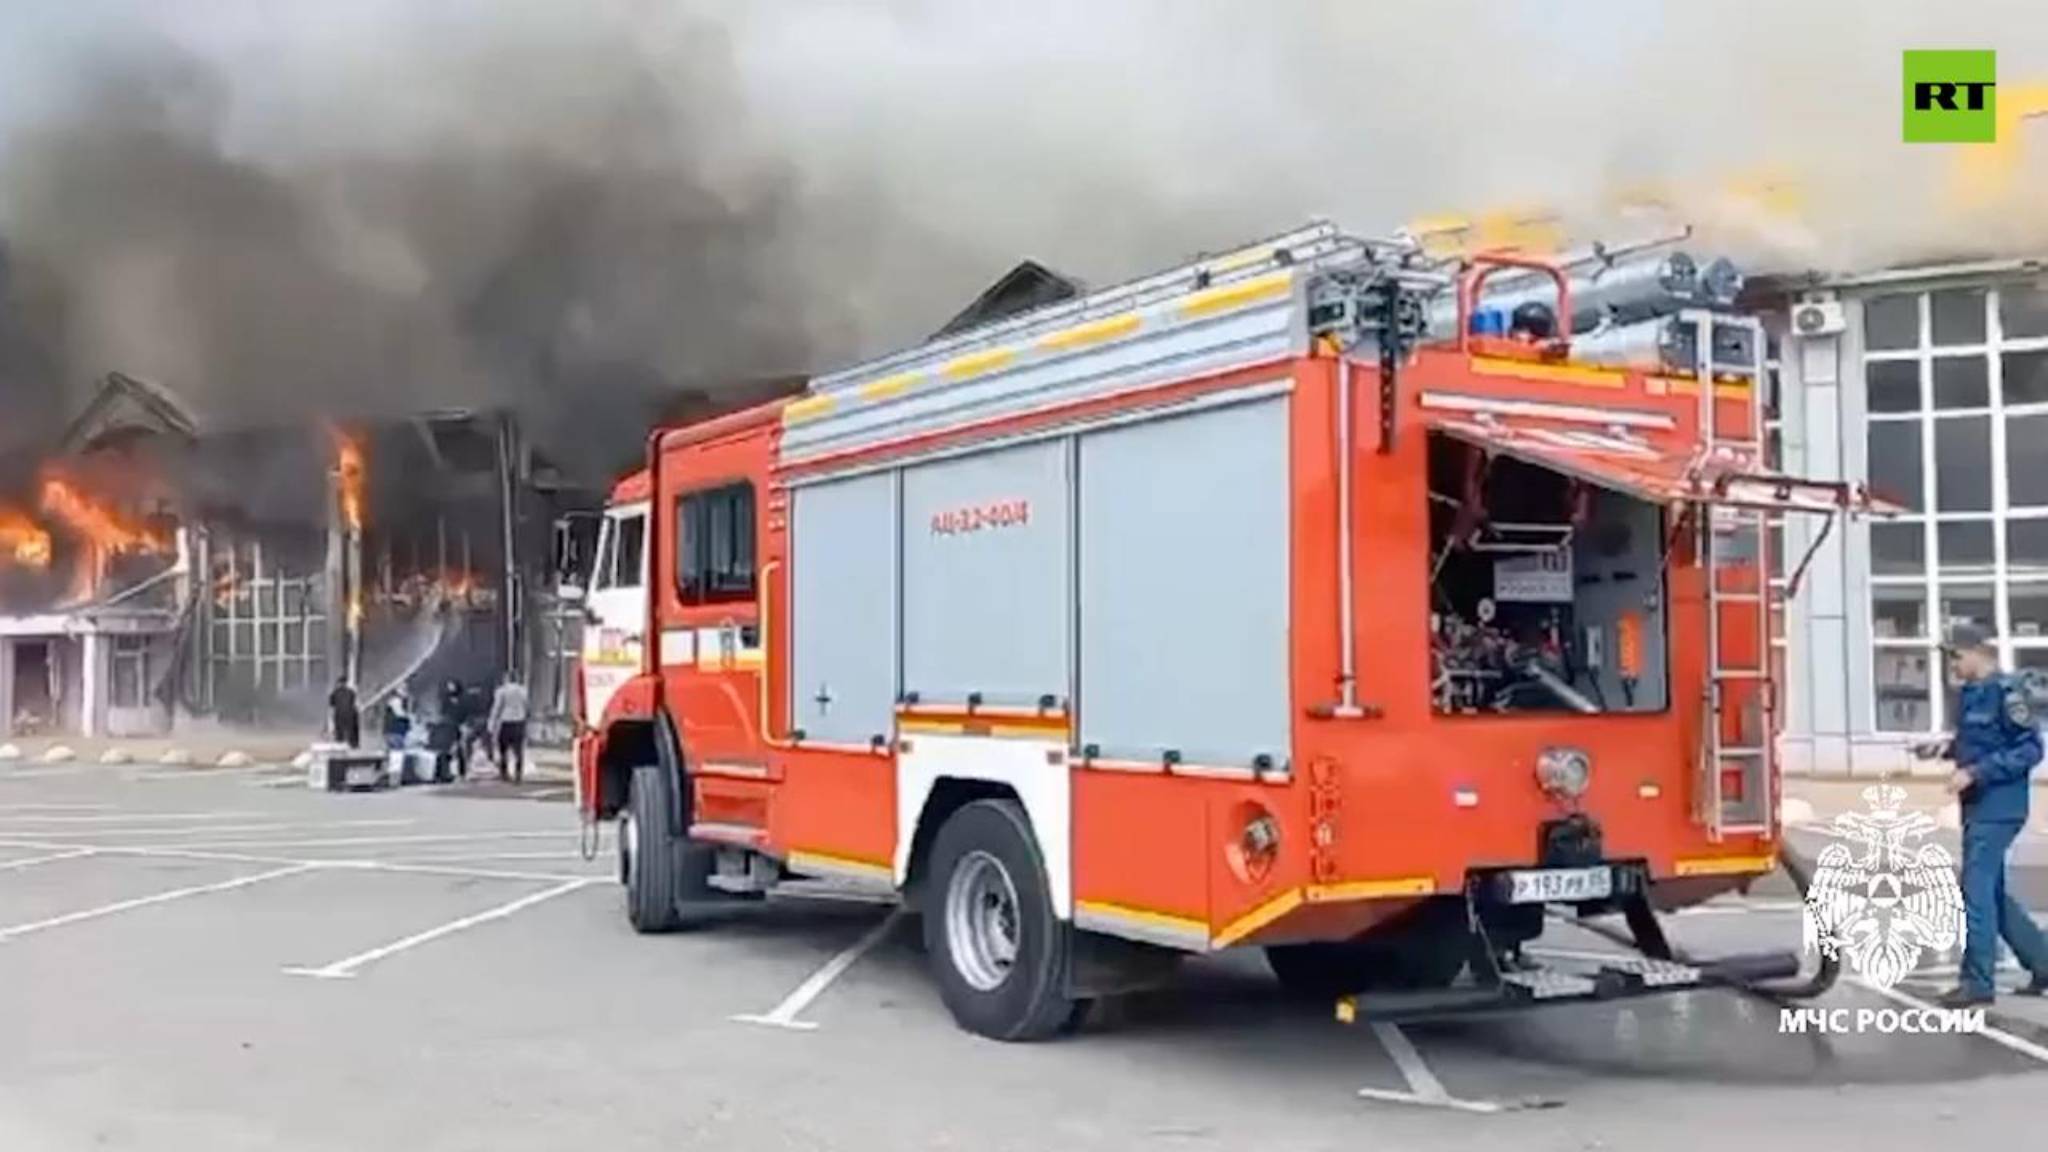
(998, 952)
(663, 873)
(1426, 949)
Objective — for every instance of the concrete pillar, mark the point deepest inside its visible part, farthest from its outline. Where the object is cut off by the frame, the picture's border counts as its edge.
(6, 688)
(1819, 661)
(92, 683)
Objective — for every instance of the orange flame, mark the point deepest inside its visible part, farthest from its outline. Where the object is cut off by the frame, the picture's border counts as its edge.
(22, 540)
(103, 527)
(349, 468)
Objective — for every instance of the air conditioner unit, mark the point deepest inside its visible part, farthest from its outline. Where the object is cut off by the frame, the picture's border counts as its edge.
(1818, 318)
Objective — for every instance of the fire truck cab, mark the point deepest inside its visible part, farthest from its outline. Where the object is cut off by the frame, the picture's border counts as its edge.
(1217, 609)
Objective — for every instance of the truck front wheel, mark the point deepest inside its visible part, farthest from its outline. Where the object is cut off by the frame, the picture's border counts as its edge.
(663, 873)
(997, 950)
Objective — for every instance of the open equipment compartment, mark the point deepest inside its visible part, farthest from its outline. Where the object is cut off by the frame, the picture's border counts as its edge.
(1547, 592)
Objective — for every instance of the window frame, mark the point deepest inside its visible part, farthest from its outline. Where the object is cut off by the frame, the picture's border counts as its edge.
(635, 579)
(694, 560)
(1934, 574)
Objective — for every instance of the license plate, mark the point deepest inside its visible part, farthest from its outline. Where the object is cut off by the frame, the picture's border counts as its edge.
(362, 776)
(1560, 885)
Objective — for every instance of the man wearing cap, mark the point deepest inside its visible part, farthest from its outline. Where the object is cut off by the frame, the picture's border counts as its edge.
(1995, 748)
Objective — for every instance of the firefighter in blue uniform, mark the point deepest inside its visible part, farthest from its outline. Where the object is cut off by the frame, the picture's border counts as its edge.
(1995, 748)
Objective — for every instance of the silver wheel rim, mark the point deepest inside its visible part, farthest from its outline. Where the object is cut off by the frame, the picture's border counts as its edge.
(629, 847)
(982, 922)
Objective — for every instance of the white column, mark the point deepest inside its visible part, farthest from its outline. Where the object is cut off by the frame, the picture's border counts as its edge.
(92, 698)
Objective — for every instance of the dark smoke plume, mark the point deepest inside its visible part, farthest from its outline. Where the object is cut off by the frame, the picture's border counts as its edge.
(559, 245)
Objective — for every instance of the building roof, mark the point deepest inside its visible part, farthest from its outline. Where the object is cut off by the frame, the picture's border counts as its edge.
(126, 405)
(1027, 286)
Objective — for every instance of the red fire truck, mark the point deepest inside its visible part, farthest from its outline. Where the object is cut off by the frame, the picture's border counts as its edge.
(1222, 608)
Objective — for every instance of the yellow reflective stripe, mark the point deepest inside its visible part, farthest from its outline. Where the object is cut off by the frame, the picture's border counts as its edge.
(800, 858)
(887, 386)
(1723, 865)
(797, 411)
(1586, 374)
(1210, 301)
(1371, 889)
(1257, 918)
(976, 363)
(1094, 332)
(1142, 916)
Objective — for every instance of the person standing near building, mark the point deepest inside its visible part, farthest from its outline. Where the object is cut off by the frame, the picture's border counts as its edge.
(343, 718)
(508, 727)
(1995, 749)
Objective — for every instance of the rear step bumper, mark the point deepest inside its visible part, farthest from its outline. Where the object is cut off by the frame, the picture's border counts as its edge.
(1622, 977)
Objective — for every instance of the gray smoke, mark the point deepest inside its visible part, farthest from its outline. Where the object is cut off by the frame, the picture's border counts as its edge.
(365, 206)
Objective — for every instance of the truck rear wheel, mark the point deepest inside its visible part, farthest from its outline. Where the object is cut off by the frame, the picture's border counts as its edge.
(662, 872)
(998, 952)
(1425, 949)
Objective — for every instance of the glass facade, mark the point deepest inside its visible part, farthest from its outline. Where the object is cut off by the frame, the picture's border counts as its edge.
(1956, 430)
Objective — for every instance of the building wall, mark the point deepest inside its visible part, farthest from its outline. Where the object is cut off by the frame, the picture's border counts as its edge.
(1937, 394)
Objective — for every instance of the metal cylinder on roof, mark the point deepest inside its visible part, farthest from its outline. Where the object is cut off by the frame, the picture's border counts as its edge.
(1667, 344)
(1721, 281)
(1608, 293)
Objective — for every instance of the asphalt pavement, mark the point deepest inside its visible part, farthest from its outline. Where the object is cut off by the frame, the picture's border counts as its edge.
(223, 960)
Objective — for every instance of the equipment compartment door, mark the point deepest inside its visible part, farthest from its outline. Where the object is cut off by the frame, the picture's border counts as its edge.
(843, 609)
(1184, 586)
(985, 577)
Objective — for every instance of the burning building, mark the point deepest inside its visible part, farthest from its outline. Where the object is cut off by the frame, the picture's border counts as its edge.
(164, 562)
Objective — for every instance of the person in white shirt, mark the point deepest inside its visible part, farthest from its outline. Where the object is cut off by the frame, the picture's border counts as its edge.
(508, 727)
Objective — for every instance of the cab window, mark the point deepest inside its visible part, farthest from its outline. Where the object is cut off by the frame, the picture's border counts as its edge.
(715, 545)
(631, 538)
(607, 543)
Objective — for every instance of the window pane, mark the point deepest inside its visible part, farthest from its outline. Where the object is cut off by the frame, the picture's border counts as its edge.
(2026, 548)
(1893, 385)
(2029, 606)
(1891, 322)
(1898, 611)
(1959, 316)
(632, 543)
(1898, 549)
(1964, 547)
(1962, 382)
(1895, 461)
(2023, 310)
(1962, 464)
(2030, 658)
(1971, 602)
(1903, 682)
(2026, 377)
(2026, 461)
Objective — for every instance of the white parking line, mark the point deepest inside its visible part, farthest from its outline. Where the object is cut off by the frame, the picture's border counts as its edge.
(56, 807)
(19, 930)
(52, 858)
(783, 1015)
(1990, 1032)
(339, 864)
(566, 835)
(123, 818)
(346, 969)
(212, 829)
(1423, 1086)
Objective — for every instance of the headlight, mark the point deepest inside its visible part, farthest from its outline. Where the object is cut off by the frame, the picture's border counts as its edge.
(1564, 772)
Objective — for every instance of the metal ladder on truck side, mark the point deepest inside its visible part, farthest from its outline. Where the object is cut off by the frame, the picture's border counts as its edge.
(1736, 783)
